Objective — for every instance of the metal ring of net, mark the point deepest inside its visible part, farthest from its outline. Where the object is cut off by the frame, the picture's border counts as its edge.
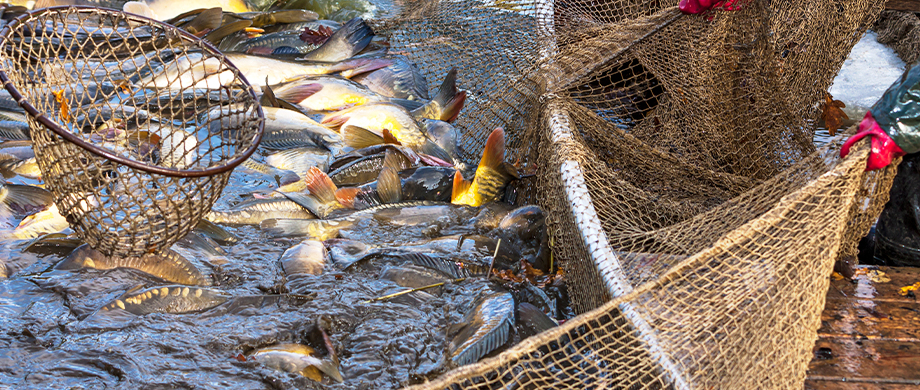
(136, 125)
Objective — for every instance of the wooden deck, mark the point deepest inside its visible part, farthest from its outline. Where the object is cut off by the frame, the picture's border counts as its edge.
(869, 336)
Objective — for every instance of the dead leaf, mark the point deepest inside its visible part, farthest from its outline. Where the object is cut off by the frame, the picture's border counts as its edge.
(836, 276)
(907, 289)
(65, 108)
(507, 275)
(832, 113)
(878, 276)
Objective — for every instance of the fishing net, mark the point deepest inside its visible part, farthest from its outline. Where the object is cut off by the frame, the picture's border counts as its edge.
(695, 219)
(133, 161)
(900, 30)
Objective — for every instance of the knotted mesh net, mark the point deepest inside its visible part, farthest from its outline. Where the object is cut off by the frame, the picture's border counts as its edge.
(695, 218)
(136, 125)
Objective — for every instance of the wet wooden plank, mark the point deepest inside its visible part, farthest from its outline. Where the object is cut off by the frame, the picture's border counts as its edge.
(836, 384)
(866, 361)
(864, 318)
(903, 5)
(863, 288)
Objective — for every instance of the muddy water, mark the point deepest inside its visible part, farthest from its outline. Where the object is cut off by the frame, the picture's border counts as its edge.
(51, 335)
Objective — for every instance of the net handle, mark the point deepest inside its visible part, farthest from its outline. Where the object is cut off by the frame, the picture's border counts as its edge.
(7, 31)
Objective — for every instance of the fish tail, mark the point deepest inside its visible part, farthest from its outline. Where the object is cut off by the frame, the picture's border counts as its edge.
(298, 93)
(320, 185)
(493, 155)
(447, 104)
(216, 35)
(346, 196)
(461, 186)
(359, 137)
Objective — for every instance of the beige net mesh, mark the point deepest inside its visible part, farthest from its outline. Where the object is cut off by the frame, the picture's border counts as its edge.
(130, 140)
(688, 137)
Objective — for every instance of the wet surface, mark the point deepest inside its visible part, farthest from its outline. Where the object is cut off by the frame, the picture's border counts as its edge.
(55, 334)
(870, 333)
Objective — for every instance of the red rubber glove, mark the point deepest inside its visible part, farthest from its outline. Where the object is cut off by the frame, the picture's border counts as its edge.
(883, 147)
(700, 6)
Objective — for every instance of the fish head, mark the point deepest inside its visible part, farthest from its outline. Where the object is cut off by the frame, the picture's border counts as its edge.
(429, 183)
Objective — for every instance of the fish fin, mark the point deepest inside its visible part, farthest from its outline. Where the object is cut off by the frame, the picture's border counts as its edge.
(25, 195)
(312, 373)
(320, 185)
(206, 20)
(460, 186)
(432, 149)
(389, 138)
(216, 35)
(216, 233)
(175, 21)
(268, 98)
(298, 93)
(395, 161)
(511, 170)
(367, 199)
(139, 8)
(444, 266)
(331, 370)
(356, 66)
(359, 137)
(493, 155)
(389, 187)
(434, 161)
(334, 120)
(347, 41)
(290, 16)
(346, 196)
(306, 201)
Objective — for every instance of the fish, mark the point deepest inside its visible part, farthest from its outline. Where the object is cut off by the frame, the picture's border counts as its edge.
(491, 175)
(173, 299)
(447, 104)
(491, 215)
(300, 160)
(345, 43)
(14, 130)
(203, 245)
(401, 80)
(307, 257)
(445, 135)
(368, 168)
(332, 93)
(297, 358)
(26, 168)
(532, 321)
(254, 211)
(179, 149)
(20, 198)
(164, 10)
(216, 233)
(369, 121)
(49, 220)
(429, 183)
(167, 265)
(282, 176)
(282, 127)
(484, 329)
(322, 199)
(194, 71)
(278, 44)
(412, 276)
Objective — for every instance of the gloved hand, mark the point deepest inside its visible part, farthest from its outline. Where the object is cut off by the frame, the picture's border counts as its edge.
(883, 147)
(700, 6)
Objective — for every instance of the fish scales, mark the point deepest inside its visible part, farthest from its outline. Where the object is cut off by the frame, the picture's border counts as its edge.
(360, 171)
(169, 299)
(167, 265)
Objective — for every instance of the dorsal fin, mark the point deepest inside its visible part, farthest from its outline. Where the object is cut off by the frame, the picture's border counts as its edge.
(298, 93)
(359, 137)
(389, 187)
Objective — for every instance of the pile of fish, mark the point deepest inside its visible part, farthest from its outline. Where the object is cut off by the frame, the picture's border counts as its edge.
(358, 178)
